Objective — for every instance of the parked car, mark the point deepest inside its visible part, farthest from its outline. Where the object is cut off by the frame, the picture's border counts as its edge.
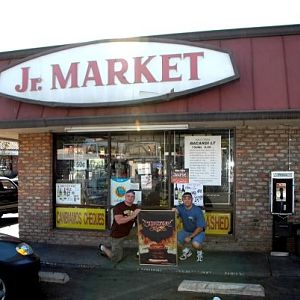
(19, 268)
(15, 180)
(8, 196)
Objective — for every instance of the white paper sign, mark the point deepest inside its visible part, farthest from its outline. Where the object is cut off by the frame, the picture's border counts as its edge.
(144, 168)
(146, 182)
(80, 165)
(68, 193)
(203, 158)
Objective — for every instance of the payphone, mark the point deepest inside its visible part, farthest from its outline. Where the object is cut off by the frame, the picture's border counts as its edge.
(282, 192)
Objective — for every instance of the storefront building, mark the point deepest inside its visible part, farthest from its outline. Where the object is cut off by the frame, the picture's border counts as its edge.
(213, 113)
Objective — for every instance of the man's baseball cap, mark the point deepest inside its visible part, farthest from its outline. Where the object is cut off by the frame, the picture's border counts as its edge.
(187, 194)
(130, 192)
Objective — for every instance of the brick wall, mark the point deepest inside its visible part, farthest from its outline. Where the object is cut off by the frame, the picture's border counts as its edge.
(35, 186)
(260, 150)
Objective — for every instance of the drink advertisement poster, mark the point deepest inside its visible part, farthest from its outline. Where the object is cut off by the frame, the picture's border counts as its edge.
(157, 237)
(195, 189)
(68, 193)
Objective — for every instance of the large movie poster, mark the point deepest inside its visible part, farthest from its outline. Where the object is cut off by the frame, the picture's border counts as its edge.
(157, 237)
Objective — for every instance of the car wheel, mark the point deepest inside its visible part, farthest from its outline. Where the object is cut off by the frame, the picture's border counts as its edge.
(3, 288)
(6, 289)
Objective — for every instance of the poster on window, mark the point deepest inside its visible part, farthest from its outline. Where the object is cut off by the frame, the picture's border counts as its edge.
(119, 186)
(157, 237)
(146, 182)
(203, 158)
(68, 193)
(144, 168)
(80, 165)
(180, 176)
(91, 150)
(195, 189)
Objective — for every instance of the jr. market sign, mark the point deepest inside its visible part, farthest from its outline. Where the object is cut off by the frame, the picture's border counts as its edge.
(116, 73)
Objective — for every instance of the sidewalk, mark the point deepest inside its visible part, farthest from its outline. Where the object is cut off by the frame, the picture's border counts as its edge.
(215, 263)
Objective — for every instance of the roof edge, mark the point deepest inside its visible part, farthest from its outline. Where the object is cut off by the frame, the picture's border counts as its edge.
(187, 36)
(127, 119)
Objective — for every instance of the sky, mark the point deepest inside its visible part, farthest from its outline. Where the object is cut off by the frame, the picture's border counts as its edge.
(26, 24)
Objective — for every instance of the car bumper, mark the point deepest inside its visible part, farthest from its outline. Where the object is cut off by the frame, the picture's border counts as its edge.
(24, 272)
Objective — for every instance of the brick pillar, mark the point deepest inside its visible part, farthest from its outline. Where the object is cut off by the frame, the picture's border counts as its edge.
(35, 186)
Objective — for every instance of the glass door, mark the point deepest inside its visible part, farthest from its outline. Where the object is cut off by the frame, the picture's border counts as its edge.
(140, 159)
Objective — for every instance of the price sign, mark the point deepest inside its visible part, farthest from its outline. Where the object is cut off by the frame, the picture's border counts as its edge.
(80, 165)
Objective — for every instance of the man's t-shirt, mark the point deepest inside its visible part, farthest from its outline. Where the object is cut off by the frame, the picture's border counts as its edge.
(191, 218)
(121, 230)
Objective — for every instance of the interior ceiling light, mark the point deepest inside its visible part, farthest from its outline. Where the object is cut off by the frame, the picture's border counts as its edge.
(138, 127)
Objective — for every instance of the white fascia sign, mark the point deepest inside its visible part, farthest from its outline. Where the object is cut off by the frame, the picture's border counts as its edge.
(121, 72)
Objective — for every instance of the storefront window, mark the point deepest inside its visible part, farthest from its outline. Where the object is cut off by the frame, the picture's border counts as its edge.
(82, 162)
(208, 157)
(93, 171)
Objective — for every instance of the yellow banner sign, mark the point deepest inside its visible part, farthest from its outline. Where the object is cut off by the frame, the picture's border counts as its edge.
(80, 218)
(217, 223)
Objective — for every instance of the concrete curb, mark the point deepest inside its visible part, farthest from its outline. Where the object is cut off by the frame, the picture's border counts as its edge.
(226, 288)
(55, 277)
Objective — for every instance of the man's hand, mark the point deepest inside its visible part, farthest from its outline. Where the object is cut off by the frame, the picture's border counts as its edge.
(175, 209)
(187, 239)
(136, 212)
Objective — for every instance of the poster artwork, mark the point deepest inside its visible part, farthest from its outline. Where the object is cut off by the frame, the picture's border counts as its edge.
(180, 176)
(119, 186)
(157, 237)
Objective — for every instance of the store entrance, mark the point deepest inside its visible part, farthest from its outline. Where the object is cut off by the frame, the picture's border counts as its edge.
(142, 159)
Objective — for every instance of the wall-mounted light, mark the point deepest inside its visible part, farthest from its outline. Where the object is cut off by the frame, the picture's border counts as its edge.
(138, 127)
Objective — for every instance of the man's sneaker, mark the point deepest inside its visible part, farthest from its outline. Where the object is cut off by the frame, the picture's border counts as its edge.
(185, 254)
(101, 250)
(199, 256)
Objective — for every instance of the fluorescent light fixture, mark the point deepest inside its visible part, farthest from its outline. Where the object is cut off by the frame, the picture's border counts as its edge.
(137, 127)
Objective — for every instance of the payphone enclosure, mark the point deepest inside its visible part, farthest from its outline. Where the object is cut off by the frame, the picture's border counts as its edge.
(282, 192)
